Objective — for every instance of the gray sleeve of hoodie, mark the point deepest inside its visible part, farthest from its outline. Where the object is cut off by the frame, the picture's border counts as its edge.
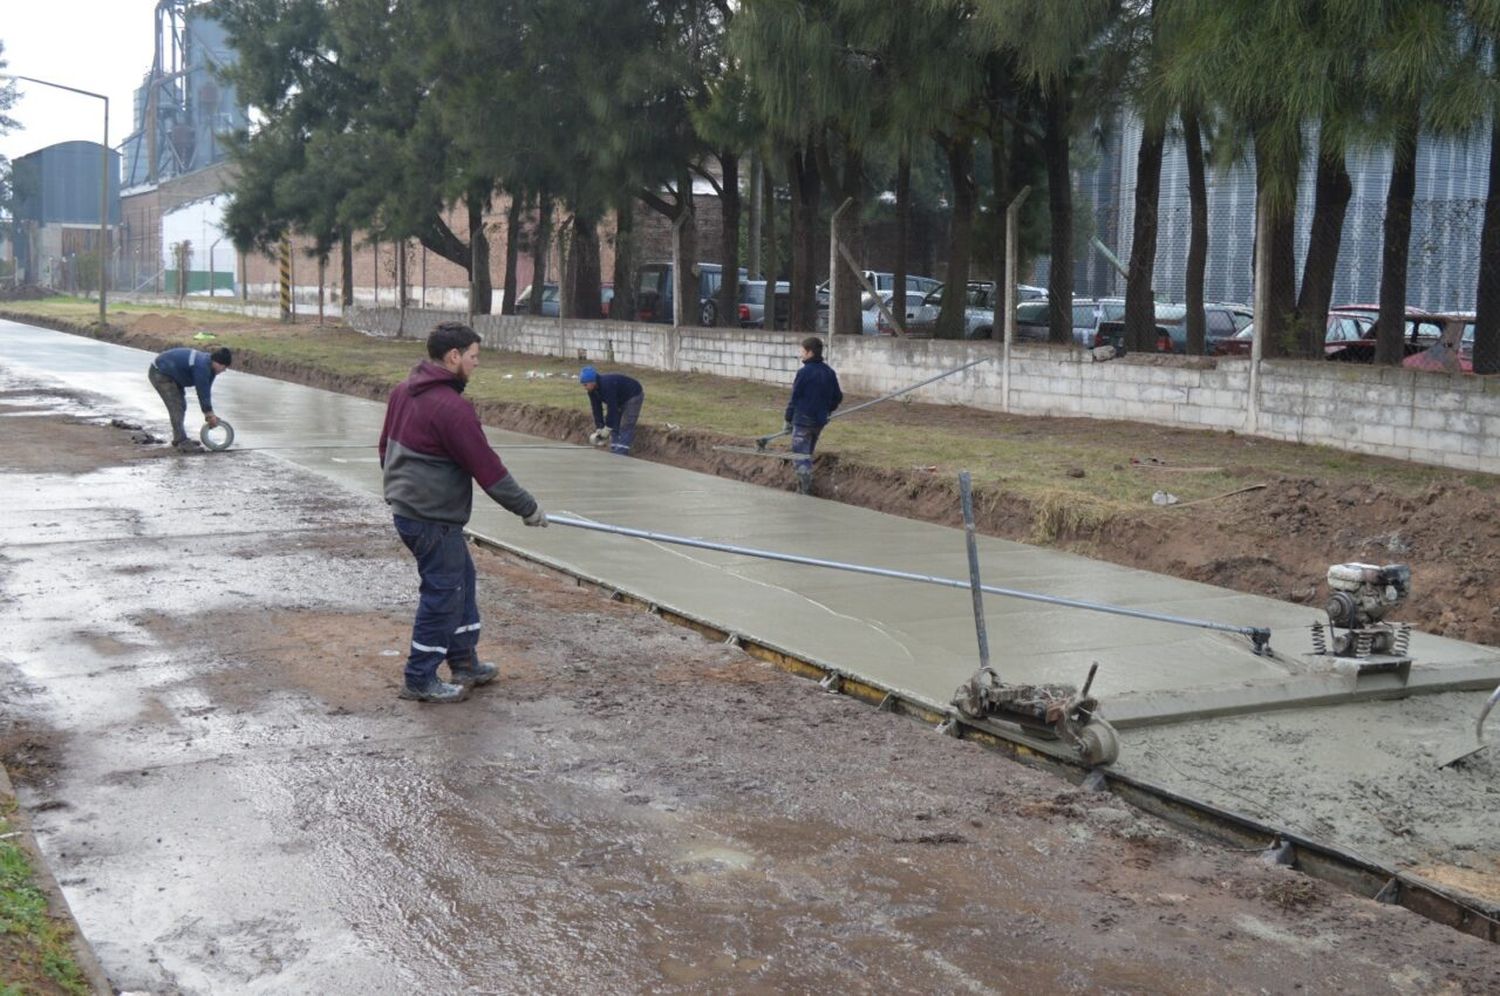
(511, 496)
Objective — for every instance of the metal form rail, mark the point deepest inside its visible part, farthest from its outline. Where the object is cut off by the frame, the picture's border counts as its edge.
(1320, 860)
(1260, 636)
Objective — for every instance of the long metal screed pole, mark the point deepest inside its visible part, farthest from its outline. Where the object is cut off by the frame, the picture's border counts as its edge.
(1260, 635)
(763, 440)
(981, 634)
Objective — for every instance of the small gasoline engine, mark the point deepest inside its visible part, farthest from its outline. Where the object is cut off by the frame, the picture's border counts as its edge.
(1359, 596)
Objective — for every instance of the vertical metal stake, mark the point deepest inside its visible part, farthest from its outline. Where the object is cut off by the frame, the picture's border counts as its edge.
(966, 494)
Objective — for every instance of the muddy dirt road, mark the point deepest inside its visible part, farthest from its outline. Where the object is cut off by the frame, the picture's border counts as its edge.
(197, 698)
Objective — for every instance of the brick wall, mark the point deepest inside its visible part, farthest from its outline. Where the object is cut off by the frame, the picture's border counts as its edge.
(1441, 419)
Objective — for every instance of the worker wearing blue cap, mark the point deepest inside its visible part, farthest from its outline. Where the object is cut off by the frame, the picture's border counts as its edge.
(616, 401)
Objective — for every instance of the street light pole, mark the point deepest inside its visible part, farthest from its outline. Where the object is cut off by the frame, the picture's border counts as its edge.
(103, 188)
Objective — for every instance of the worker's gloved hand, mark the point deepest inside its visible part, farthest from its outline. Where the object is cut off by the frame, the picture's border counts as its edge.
(600, 437)
(786, 427)
(211, 419)
(536, 518)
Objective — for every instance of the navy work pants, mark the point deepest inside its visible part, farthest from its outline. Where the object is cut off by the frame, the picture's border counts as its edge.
(804, 441)
(621, 438)
(447, 623)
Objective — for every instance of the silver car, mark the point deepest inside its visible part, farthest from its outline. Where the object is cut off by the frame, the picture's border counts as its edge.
(752, 304)
(979, 311)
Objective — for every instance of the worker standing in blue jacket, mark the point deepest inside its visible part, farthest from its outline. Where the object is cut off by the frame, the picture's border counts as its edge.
(616, 400)
(176, 370)
(815, 396)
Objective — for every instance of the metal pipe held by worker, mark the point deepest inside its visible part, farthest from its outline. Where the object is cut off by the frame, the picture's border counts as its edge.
(1260, 636)
(966, 501)
(763, 440)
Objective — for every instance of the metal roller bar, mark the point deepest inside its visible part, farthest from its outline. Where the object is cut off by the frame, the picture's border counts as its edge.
(1260, 636)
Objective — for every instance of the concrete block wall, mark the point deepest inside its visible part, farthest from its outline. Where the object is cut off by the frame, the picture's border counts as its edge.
(1431, 418)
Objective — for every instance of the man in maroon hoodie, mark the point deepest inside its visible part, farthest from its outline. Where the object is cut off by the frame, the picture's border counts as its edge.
(431, 448)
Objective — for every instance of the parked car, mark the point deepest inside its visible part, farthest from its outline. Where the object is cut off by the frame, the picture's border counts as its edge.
(1422, 327)
(1220, 323)
(1454, 350)
(1350, 338)
(752, 304)
(655, 293)
(1088, 313)
(552, 300)
(979, 311)
(886, 282)
(1033, 320)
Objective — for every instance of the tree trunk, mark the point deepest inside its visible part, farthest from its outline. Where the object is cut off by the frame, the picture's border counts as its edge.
(1140, 300)
(1390, 329)
(903, 220)
(729, 251)
(622, 305)
(770, 252)
(1197, 258)
(1055, 113)
(480, 289)
(1487, 294)
(806, 193)
(752, 237)
(541, 245)
(512, 253)
(685, 258)
(346, 267)
(583, 290)
(1281, 286)
(951, 318)
(1331, 193)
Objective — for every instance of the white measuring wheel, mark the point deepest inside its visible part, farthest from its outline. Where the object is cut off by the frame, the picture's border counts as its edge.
(219, 437)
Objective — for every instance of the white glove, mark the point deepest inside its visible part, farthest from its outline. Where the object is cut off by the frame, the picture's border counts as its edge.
(536, 518)
(599, 437)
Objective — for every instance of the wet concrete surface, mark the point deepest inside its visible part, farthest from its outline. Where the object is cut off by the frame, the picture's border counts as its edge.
(204, 661)
(913, 638)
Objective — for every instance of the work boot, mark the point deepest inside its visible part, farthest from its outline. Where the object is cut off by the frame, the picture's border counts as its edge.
(435, 690)
(471, 672)
(188, 446)
(804, 482)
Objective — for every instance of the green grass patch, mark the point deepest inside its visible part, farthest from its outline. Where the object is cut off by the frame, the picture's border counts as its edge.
(34, 947)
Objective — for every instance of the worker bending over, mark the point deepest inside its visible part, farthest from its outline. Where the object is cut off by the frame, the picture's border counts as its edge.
(616, 401)
(176, 370)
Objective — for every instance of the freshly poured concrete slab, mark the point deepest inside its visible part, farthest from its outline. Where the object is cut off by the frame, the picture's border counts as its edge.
(917, 639)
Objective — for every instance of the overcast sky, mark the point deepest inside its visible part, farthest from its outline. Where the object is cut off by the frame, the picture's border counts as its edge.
(99, 45)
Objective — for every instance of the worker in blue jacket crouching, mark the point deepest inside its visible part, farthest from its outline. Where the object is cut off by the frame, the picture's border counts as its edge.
(616, 400)
(815, 396)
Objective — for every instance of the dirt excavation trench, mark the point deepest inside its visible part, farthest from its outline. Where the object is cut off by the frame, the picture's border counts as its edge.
(197, 686)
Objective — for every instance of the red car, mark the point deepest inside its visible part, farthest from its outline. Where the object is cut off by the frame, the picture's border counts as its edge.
(1422, 327)
(1454, 350)
(1350, 339)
